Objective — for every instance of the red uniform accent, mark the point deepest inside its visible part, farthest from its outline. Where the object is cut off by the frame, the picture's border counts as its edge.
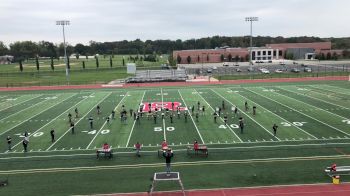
(105, 146)
(164, 105)
(195, 146)
(334, 167)
(138, 146)
(164, 145)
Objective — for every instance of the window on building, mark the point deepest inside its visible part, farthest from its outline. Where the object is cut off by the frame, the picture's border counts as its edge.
(274, 52)
(269, 58)
(259, 53)
(269, 52)
(264, 52)
(280, 53)
(264, 58)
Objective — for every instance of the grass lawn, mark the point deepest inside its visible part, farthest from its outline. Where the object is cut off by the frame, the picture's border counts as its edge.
(313, 132)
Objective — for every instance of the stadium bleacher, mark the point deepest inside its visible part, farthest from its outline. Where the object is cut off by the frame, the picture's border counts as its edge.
(158, 76)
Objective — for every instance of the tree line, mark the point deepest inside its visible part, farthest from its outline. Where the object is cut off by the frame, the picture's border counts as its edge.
(28, 49)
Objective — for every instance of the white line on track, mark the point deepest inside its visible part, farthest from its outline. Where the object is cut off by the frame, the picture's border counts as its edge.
(200, 136)
(248, 116)
(30, 118)
(88, 146)
(78, 121)
(300, 112)
(133, 125)
(52, 119)
(220, 116)
(279, 117)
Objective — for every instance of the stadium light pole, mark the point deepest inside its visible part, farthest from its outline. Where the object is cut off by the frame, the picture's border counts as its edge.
(64, 23)
(251, 20)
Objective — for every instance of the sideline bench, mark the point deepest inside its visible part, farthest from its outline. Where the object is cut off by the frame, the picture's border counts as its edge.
(202, 150)
(108, 153)
(340, 170)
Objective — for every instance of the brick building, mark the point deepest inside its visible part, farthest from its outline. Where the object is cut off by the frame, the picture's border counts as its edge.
(269, 52)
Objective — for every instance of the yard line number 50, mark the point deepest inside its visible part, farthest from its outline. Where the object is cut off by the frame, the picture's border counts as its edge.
(158, 129)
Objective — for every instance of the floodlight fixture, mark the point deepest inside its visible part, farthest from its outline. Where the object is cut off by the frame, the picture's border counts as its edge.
(64, 23)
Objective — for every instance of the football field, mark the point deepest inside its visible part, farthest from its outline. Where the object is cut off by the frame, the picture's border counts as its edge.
(307, 115)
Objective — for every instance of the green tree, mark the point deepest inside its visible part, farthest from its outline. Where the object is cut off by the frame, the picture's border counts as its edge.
(198, 58)
(110, 61)
(230, 57)
(236, 58)
(178, 58)
(20, 65)
(83, 64)
(77, 56)
(87, 57)
(52, 65)
(171, 61)
(189, 59)
(123, 61)
(3, 49)
(329, 56)
(68, 63)
(37, 63)
(222, 57)
(335, 56)
(97, 63)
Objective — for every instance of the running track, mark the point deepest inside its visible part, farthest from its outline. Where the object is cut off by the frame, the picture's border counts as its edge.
(97, 86)
(290, 190)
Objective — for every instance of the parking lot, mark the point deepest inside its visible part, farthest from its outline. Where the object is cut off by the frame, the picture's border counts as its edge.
(278, 67)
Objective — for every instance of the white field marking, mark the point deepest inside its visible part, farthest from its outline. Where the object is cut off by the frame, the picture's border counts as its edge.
(164, 132)
(175, 164)
(326, 110)
(20, 102)
(78, 121)
(339, 88)
(40, 102)
(133, 125)
(34, 116)
(52, 120)
(175, 150)
(200, 136)
(280, 117)
(318, 87)
(106, 121)
(302, 113)
(220, 116)
(326, 140)
(248, 116)
(317, 98)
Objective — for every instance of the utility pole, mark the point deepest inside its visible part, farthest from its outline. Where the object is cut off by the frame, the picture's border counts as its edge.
(251, 19)
(64, 23)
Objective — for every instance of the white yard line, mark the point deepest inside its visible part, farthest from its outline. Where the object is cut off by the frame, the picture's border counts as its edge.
(248, 116)
(20, 102)
(313, 106)
(52, 119)
(32, 117)
(220, 116)
(88, 146)
(133, 125)
(279, 117)
(300, 112)
(176, 164)
(25, 109)
(164, 134)
(78, 121)
(191, 118)
(175, 150)
(315, 97)
(333, 91)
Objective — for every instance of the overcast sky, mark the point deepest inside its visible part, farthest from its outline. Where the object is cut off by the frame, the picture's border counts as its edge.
(114, 20)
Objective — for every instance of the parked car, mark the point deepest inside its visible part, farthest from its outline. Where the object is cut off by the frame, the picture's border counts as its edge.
(215, 68)
(236, 64)
(270, 61)
(282, 63)
(278, 71)
(209, 70)
(225, 64)
(307, 69)
(265, 71)
(238, 70)
(295, 70)
(303, 65)
(295, 63)
(250, 69)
